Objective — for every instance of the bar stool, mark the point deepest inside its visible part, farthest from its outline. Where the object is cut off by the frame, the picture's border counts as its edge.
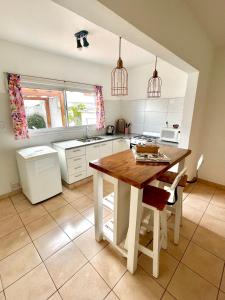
(176, 182)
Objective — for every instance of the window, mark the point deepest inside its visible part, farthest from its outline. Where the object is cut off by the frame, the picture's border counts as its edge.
(58, 104)
(81, 108)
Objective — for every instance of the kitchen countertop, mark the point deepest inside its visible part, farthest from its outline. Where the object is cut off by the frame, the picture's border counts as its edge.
(70, 144)
(76, 143)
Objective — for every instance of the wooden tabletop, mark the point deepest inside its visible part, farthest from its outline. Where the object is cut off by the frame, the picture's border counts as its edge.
(123, 166)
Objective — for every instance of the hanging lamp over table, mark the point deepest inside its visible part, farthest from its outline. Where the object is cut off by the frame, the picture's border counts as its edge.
(154, 84)
(119, 77)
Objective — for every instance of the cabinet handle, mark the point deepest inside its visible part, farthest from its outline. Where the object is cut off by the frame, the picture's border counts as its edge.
(78, 175)
(76, 159)
(78, 168)
(78, 150)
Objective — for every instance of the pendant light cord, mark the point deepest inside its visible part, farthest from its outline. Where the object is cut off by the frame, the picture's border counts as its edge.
(119, 46)
(155, 62)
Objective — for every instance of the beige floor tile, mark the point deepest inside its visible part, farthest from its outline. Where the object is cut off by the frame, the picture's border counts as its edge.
(32, 214)
(111, 296)
(221, 296)
(50, 242)
(222, 287)
(110, 265)
(21, 203)
(35, 285)
(218, 198)
(177, 251)
(65, 263)
(55, 296)
(86, 188)
(18, 196)
(203, 191)
(41, 226)
(64, 213)
(167, 267)
(216, 211)
(196, 203)
(187, 285)
(2, 297)
(187, 229)
(85, 284)
(138, 286)
(54, 203)
(9, 225)
(89, 214)
(192, 214)
(210, 241)
(76, 226)
(72, 195)
(88, 245)
(213, 224)
(168, 296)
(82, 203)
(17, 264)
(13, 241)
(204, 263)
(6, 209)
(1, 288)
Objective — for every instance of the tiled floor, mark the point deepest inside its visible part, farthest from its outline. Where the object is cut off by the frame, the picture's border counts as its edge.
(48, 251)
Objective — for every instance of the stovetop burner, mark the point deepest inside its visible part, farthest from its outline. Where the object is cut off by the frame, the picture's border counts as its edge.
(143, 139)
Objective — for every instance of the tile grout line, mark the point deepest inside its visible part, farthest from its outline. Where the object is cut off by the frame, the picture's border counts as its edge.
(223, 273)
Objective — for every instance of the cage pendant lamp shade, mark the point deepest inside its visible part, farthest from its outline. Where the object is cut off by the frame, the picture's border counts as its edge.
(119, 77)
(154, 84)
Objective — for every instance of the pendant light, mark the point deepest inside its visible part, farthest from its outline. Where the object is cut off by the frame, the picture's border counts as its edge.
(154, 84)
(119, 77)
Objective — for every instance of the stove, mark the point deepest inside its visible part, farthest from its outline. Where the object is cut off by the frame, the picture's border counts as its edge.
(146, 137)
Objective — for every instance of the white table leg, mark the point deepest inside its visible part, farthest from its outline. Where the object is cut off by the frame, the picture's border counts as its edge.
(134, 228)
(181, 165)
(98, 207)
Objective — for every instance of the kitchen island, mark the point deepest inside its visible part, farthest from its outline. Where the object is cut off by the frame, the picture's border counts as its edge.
(129, 178)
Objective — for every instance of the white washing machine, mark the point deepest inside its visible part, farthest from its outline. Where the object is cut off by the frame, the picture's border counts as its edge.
(39, 172)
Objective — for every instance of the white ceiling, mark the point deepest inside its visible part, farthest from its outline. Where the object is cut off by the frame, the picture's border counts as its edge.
(211, 15)
(45, 25)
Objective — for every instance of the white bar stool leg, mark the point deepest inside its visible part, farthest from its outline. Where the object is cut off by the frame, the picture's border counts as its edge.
(163, 216)
(156, 243)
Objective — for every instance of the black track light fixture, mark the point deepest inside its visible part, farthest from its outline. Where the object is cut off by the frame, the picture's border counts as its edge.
(82, 35)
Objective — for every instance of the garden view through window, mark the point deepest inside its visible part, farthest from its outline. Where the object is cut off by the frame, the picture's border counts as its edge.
(54, 109)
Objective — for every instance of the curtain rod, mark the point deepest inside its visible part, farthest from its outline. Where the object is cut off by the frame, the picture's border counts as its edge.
(56, 79)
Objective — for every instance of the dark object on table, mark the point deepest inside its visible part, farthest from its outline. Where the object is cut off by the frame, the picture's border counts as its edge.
(175, 126)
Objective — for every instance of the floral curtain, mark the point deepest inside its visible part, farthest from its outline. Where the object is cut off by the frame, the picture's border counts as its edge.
(100, 110)
(17, 107)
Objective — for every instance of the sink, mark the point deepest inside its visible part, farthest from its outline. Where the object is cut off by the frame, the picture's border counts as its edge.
(91, 139)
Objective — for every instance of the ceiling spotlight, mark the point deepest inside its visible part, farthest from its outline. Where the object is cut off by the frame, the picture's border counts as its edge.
(82, 35)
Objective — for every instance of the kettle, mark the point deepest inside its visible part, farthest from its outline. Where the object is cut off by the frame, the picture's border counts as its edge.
(110, 129)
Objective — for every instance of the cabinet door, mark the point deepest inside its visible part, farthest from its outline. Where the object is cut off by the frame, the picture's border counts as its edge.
(105, 149)
(121, 145)
(92, 153)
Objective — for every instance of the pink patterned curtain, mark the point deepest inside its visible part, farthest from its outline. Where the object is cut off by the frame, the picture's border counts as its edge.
(100, 110)
(17, 107)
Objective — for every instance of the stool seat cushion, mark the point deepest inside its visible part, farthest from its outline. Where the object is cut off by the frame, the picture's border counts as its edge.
(169, 177)
(155, 197)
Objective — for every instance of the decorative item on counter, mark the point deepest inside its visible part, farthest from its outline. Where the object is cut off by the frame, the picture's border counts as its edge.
(147, 148)
(154, 84)
(127, 126)
(119, 77)
(110, 129)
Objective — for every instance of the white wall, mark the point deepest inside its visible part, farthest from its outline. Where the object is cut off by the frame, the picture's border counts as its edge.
(151, 114)
(28, 61)
(213, 137)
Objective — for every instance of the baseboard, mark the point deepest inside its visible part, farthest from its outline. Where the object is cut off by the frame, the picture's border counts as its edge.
(78, 183)
(217, 185)
(7, 195)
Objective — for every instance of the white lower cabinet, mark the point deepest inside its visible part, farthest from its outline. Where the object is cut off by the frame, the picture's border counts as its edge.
(74, 162)
(97, 151)
(121, 145)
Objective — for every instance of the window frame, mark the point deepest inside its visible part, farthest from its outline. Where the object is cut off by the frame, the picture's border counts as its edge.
(60, 86)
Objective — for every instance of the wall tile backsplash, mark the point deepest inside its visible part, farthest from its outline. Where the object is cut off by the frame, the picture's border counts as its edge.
(152, 114)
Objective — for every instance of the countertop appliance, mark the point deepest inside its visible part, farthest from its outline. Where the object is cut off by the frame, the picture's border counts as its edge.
(110, 130)
(170, 134)
(39, 173)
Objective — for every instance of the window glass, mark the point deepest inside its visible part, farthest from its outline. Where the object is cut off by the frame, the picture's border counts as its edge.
(81, 108)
